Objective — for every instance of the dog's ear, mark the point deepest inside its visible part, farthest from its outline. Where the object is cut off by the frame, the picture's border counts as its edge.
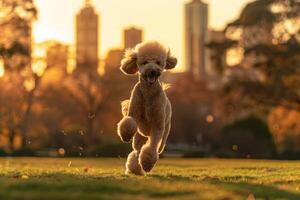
(128, 63)
(171, 61)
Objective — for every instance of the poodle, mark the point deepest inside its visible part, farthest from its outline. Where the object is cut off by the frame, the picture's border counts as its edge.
(147, 114)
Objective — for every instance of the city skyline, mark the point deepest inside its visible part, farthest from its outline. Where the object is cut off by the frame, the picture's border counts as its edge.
(87, 37)
(196, 35)
(131, 37)
(114, 21)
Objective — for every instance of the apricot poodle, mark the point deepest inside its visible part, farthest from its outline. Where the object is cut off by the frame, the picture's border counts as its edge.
(147, 114)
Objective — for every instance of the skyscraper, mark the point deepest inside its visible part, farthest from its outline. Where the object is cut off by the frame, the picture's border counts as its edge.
(217, 59)
(87, 37)
(132, 37)
(196, 34)
(113, 60)
(57, 55)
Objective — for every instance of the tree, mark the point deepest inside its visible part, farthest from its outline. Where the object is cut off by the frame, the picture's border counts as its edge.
(85, 86)
(193, 117)
(266, 81)
(15, 40)
(285, 127)
(15, 51)
(11, 100)
(39, 68)
(220, 47)
(249, 137)
(269, 75)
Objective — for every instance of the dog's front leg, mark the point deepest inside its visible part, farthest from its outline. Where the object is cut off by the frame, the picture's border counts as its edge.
(149, 153)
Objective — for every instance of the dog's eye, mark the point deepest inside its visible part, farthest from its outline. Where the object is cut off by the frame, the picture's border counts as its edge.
(157, 62)
(145, 63)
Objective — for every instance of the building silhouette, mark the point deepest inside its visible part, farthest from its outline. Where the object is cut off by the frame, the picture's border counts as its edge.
(57, 56)
(113, 60)
(217, 58)
(196, 35)
(132, 37)
(87, 37)
(50, 56)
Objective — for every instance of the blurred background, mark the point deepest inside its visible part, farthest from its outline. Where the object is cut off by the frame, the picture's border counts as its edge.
(235, 93)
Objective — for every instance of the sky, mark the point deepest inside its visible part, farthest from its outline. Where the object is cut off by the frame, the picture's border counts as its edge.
(161, 20)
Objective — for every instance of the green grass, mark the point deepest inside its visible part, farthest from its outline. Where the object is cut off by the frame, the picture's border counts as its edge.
(44, 178)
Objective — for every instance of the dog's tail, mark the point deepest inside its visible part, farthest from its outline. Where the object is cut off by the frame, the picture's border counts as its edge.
(125, 107)
(165, 86)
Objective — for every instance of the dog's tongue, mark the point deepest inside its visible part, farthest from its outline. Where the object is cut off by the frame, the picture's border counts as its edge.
(151, 79)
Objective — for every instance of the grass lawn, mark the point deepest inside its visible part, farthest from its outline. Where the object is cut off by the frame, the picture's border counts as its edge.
(66, 178)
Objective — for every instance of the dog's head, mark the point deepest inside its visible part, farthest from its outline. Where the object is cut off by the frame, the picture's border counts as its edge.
(149, 59)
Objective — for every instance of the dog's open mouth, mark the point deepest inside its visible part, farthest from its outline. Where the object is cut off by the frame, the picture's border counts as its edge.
(151, 79)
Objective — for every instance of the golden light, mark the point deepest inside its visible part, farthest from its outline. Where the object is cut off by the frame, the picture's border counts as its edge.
(100, 71)
(24, 177)
(29, 84)
(71, 65)
(39, 51)
(2, 69)
(234, 56)
(290, 26)
(39, 67)
(235, 147)
(61, 151)
(209, 119)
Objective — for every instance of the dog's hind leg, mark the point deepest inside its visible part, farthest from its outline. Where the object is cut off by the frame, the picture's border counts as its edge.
(138, 142)
(132, 164)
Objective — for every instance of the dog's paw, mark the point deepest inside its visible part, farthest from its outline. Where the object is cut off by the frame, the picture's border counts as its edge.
(127, 128)
(148, 157)
(132, 164)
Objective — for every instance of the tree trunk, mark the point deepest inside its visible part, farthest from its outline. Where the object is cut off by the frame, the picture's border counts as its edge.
(24, 129)
(26, 117)
(11, 139)
(90, 138)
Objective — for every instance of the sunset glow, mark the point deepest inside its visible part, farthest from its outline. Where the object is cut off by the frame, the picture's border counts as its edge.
(2, 71)
(160, 20)
(149, 99)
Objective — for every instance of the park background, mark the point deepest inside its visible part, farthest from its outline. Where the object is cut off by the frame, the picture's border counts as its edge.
(235, 93)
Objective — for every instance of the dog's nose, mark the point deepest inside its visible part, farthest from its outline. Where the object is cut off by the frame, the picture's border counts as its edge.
(154, 73)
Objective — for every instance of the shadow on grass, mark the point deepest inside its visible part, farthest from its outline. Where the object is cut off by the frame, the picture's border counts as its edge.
(258, 190)
(65, 186)
(70, 186)
(237, 185)
(171, 177)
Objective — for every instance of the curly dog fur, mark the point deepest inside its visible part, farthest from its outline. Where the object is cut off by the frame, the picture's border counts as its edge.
(147, 114)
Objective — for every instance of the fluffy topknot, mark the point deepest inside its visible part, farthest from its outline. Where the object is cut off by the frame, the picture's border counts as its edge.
(151, 48)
